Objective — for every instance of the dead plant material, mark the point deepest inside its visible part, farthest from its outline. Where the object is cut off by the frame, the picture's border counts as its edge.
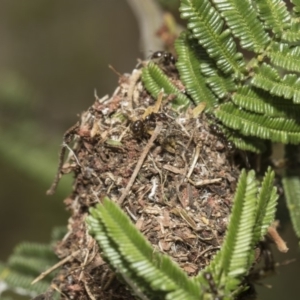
(277, 239)
(167, 170)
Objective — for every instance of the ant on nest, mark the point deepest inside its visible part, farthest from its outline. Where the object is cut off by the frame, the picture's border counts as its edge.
(163, 58)
(141, 127)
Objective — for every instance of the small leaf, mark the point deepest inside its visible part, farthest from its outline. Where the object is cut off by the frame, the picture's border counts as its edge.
(207, 27)
(275, 129)
(190, 56)
(275, 15)
(124, 244)
(155, 81)
(242, 19)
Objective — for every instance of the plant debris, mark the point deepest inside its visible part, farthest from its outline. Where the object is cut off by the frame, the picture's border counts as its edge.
(169, 171)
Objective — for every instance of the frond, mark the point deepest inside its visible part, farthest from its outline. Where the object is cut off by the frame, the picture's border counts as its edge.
(232, 260)
(239, 233)
(242, 20)
(30, 265)
(156, 269)
(296, 7)
(155, 80)
(268, 79)
(221, 86)
(207, 27)
(237, 253)
(292, 34)
(112, 255)
(275, 15)
(284, 56)
(291, 186)
(276, 129)
(190, 56)
(27, 249)
(15, 279)
(25, 264)
(246, 143)
(267, 201)
(261, 102)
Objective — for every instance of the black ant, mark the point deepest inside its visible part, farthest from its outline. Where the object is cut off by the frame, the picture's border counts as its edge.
(163, 57)
(141, 127)
(215, 128)
(165, 60)
(137, 127)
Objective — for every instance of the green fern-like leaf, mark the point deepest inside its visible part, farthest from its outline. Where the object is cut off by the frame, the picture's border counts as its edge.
(221, 86)
(296, 8)
(275, 15)
(276, 129)
(255, 145)
(261, 102)
(30, 265)
(242, 20)
(253, 211)
(155, 81)
(129, 244)
(239, 237)
(268, 79)
(15, 279)
(27, 262)
(113, 256)
(267, 200)
(292, 34)
(284, 56)
(27, 249)
(191, 55)
(233, 259)
(291, 185)
(207, 27)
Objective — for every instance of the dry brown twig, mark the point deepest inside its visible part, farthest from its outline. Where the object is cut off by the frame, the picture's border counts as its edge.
(60, 263)
(140, 162)
(277, 239)
(66, 140)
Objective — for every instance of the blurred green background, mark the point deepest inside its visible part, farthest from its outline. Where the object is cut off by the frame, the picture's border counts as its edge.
(53, 55)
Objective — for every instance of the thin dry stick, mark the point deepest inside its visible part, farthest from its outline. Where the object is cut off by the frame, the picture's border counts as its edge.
(140, 162)
(66, 139)
(60, 263)
(195, 158)
(92, 297)
(279, 242)
(134, 78)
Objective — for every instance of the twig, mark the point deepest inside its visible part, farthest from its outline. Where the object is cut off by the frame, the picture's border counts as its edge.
(87, 289)
(205, 181)
(140, 162)
(66, 139)
(60, 263)
(195, 158)
(277, 239)
(134, 78)
(207, 250)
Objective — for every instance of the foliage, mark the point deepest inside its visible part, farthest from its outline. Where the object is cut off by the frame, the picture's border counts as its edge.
(257, 99)
(156, 276)
(27, 262)
(291, 185)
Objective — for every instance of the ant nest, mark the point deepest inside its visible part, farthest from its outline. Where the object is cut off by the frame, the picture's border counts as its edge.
(171, 173)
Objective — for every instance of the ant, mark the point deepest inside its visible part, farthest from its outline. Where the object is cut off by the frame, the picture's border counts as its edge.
(165, 60)
(141, 127)
(163, 57)
(215, 128)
